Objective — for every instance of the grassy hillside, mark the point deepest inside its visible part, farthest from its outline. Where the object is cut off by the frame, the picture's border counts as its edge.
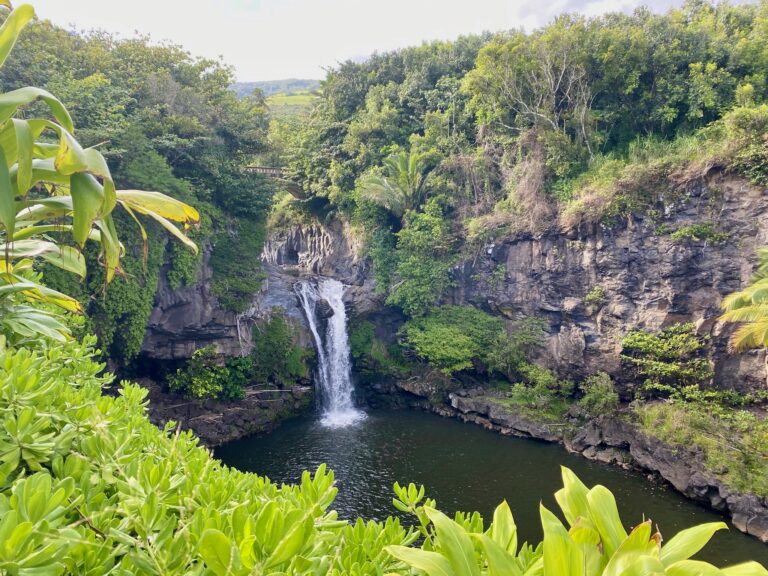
(270, 87)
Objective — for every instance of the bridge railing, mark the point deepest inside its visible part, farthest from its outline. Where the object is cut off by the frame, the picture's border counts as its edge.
(266, 171)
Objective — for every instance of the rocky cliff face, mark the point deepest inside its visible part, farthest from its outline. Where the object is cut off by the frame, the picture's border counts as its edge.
(648, 279)
(188, 318)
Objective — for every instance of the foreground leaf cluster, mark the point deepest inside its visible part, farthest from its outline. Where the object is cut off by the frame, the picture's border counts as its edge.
(89, 486)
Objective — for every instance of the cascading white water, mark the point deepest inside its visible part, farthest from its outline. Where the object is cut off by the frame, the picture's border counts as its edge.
(334, 380)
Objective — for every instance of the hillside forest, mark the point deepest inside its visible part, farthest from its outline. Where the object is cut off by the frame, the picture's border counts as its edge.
(123, 168)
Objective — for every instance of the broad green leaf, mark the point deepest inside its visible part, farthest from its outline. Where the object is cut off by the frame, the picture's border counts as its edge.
(572, 497)
(290, 545)
(644, 566)
(688, 542)
(562, 556)
(605, 517)
(216, 550)
(64, 257)
(503, 529)
(12, 101)
(29, 231)
(49, 296)
(454, 543)
(71, 157)
(746, 569)
(536, 568)
(156, 203)
(500, 562)
(12, 27)
(431, 563)
(45, 209)
(87, 201)
(692, 568)
(24, 146)
(7, 196)
(634, 547)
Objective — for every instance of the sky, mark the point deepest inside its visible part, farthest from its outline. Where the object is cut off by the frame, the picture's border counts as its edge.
(276, 39)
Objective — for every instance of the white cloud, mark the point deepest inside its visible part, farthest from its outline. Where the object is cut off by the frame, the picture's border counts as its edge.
(271, 39)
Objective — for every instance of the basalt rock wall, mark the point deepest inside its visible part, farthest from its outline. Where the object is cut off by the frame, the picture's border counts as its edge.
(649, 279)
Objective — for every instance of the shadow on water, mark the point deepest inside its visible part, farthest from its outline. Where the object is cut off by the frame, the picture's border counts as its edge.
(464, 468)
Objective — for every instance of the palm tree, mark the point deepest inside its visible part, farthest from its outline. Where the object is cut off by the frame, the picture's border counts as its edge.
(750, 307)
(403, 185)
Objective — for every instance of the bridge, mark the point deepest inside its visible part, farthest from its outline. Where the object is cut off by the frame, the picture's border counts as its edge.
(279, 174)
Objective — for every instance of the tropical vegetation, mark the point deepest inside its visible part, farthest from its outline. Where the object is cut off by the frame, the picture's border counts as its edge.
(429, 152)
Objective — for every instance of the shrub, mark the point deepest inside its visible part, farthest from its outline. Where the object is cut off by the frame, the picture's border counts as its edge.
(97, 489)
(452, 338)
(599, 394)
(510, 351)
(276, 357)
(704, 231)
(206, 375)
(595, 297)
(668, 361)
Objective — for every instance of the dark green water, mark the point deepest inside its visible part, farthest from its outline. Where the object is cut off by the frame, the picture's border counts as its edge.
(465, 468)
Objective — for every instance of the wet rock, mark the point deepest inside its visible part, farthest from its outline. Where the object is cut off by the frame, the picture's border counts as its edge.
(323, 309)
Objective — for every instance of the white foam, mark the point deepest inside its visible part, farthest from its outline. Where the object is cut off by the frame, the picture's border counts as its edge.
(342, 418)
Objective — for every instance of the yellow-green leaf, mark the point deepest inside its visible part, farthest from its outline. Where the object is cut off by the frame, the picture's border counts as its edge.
(12, 27)
(431, 563)
(688, 542)
(24, 149)
(7, 196)
(10, 102)
(160, 204)
(500, 562)
(87, 201)
(746, 569)
(562, 557)
(454, 543)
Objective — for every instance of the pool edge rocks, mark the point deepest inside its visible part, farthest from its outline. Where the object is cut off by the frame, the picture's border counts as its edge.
(614, 441)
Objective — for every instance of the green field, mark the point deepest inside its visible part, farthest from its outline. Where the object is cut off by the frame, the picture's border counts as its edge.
(291, 104)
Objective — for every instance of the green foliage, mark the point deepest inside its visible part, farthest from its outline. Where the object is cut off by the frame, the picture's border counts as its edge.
(734, 442)
(361, 337)
(540, 393)
(452, 338)
(747, 127)
(74, 193)
(236, 263)
(669, 360)
(402, 187)
(88, 485)
(509, 353)
(371, 355)
(748, 307)
(424, 259)
(276, 356)
(592, 542)
(595, 297)
(164, 121)
(703, 231)
(599, 395)
(208, 375)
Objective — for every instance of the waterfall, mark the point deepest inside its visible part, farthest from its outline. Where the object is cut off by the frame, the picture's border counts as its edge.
(333, 373)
